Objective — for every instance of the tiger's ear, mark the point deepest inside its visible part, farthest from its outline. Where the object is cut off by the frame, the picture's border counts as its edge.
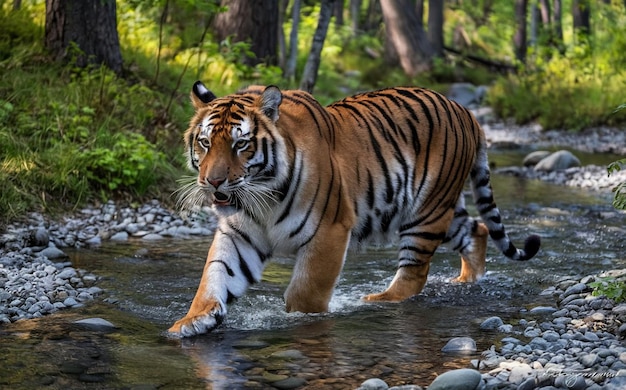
(270, 100)
(200, 95)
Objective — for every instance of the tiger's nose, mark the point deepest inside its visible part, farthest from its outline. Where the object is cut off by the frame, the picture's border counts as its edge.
(216, 182)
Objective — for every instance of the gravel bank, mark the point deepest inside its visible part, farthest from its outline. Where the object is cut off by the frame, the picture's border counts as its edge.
(592, 177)
(35, 276)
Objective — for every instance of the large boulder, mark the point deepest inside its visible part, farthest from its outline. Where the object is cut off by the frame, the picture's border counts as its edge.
(557, 161)
(533, 158)
(467, 94)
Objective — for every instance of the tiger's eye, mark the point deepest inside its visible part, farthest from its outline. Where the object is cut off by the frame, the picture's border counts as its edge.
(242, 143)
(204, 142)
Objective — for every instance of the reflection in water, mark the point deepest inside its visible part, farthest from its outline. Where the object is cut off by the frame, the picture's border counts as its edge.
(152, 284)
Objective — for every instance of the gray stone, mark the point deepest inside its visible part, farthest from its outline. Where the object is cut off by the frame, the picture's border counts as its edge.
(374, 384)
(119, 236)
(67, 273)
(289, 383)
(53, 253)
(520, 373)
(460, 345)
(96, 323)
(534, 157)
(543, 310)
(491, 323)
(39, 237)
(461, 379)
(551, 336)
(152, 237)
(588, 360)
(557, 161)
(467, 94)
(69, 302)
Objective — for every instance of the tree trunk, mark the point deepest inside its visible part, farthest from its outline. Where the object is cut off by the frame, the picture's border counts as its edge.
(253, 21)
(355, 15)
(435, 26)
(90, 25)
(282, 46)
(292, 59)
(404, 33)
(519, 39)
(419, 11)
(581, 16)
(309, 76)
(373, 17)
(534, 25)
(338, 14)
(558, 26)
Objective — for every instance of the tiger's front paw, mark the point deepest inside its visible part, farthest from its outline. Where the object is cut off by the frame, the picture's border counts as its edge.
(197, 323)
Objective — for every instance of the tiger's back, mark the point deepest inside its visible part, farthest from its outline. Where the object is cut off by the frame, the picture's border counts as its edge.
(288, 175)
(408, 152)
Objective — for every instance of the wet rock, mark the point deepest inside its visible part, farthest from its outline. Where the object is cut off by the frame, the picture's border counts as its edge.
(461, 379)
(542, 310)
(533, 158)
(557, 161)
(119, 236)
(460, 345)
(53, 253)
(289, 383)
(98, 324)
(39, 237)
(373, 384)
(491, 323)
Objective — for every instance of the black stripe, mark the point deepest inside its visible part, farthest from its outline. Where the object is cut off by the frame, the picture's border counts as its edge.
(243, 266)
(292, 190)
(228, 269)
(308, 212)
(245, 237)
(416, 250)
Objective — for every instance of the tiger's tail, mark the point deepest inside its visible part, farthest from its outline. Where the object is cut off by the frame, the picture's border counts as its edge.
(483, 197)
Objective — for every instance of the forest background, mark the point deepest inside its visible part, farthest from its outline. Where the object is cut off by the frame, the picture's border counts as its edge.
(94, 93)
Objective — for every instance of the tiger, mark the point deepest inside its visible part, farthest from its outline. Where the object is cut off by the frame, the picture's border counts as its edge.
(288, 176)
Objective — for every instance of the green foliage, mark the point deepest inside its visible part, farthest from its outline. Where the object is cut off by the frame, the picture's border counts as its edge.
(619, 198)
(574, 86)
(17, 29)
(609, 287)
(130, 163)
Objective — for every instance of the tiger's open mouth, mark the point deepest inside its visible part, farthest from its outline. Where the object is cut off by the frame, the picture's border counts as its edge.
(221, 199)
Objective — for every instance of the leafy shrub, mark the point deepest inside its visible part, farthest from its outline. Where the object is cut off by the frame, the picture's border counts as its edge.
(129, 164)
(609, 287)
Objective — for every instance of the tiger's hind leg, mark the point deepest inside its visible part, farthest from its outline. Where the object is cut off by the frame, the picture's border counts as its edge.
(469, 237)
(417, 245)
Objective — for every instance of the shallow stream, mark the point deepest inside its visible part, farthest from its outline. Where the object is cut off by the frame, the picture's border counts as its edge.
(150, 284)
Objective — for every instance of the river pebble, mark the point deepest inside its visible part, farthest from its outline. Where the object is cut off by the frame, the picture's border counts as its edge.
(35, 277)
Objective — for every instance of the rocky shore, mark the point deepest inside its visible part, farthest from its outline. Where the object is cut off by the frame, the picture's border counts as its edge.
(576, 343)
(36, 277)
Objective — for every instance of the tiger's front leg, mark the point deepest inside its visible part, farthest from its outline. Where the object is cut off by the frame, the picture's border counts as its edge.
(233, 263)
(318, 265)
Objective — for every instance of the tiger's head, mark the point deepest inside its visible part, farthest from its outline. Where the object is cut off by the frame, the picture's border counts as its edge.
(232, 146)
